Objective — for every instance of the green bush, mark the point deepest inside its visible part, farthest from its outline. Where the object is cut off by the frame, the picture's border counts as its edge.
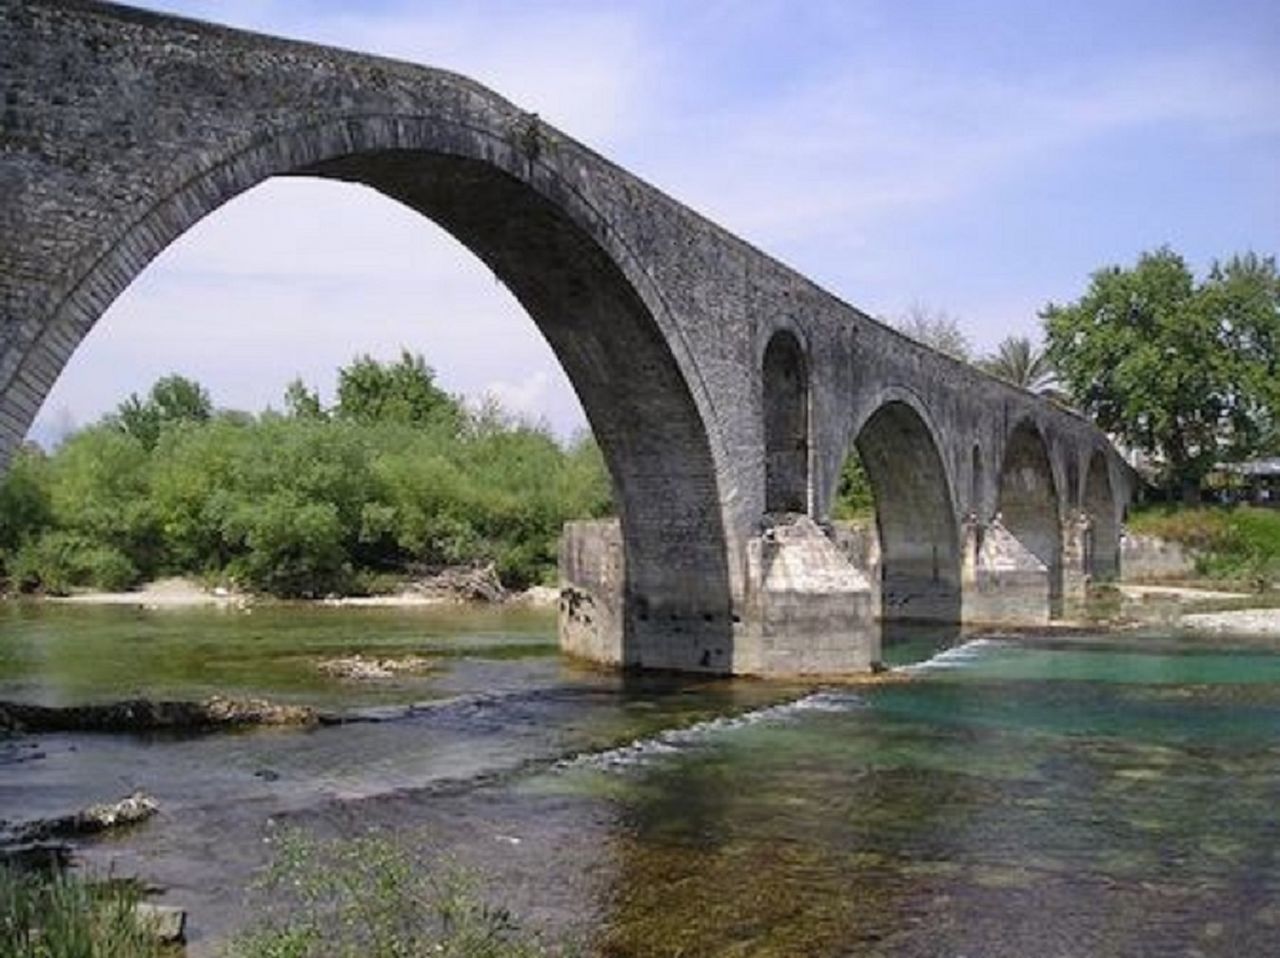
(397, 480)
(57, 562)
(292, 548)
(106, 568)
(1236, 543)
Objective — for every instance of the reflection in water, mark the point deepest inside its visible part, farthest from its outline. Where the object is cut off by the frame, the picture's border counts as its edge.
(1058, 796)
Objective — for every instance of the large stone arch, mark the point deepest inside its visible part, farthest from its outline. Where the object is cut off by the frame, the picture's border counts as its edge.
(1102, 551)
(920, 548)
(1027, 510)
(499, 194)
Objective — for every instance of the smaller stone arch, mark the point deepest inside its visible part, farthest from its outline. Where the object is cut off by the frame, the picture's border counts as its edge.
(1102, 547)
(920, 557)
(785, 407)
(1028, 512)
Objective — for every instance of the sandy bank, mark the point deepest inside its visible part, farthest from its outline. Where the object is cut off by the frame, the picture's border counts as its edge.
(1177, 593)
(1241, 622)
(178, 593)
(161, 594)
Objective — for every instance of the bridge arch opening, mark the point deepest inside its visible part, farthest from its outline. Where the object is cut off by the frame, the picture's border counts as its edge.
(552, 250)
(920, 549)
(785, 385)
(1028, 505)
(1103, 547)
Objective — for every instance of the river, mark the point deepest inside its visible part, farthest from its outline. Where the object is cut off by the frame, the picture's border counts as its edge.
(1070, 795)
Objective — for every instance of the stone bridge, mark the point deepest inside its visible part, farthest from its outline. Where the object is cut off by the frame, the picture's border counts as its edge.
(724, 388)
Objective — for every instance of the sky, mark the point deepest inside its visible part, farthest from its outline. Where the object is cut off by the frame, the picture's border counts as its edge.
(980, 159)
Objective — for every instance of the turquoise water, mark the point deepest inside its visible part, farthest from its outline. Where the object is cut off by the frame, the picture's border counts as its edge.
(1091, 795)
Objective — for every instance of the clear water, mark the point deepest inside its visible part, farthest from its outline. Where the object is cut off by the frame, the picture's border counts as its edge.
(1083, 796)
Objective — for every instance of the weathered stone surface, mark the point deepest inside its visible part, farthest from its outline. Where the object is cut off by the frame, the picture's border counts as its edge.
(1012, 585)
(813, 611)
(1151, 559)
(719, 383)
(592, 592)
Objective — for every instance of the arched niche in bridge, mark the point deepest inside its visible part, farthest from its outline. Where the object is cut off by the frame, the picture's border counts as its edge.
(915, 518)
(977, 481)
(785, 384)
(554, 251)
(1028, 504)
(1103, 544)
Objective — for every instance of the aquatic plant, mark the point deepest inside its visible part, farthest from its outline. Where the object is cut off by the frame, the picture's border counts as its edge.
(375, 896)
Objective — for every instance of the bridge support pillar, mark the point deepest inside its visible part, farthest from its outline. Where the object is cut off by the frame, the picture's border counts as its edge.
(592, 587)
(810, 610)
(806, 610)
(1005, 584)
(1077, 532)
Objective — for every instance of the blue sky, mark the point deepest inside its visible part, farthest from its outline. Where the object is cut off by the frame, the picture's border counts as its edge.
(978, 158)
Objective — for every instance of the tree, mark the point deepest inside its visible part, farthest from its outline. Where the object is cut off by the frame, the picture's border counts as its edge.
(301, 402)
(1017, 361)
(855, 499)
(1187, 373)
(936, 329)
(172, 399)
(402, 392)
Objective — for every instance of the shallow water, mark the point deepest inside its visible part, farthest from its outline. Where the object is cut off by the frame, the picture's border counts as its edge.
(1058, 796)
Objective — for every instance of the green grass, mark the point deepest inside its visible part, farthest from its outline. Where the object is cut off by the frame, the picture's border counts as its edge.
(60, 915)
(1239, 544)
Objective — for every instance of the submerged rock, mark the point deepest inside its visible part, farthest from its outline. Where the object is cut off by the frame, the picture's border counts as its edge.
(359, 667)
(145, 715)
(129, 810)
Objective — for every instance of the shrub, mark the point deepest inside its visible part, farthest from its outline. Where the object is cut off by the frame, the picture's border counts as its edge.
(57, 562)
(1240, 543)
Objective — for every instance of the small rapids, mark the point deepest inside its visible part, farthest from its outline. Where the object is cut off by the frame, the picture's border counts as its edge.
(957, 657)
(677, 740)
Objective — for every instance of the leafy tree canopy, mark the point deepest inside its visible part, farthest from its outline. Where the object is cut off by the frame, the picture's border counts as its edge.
(172, 399)
(1187, 372)
(405, 391)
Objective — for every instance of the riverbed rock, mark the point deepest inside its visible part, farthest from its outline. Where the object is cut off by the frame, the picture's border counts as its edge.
(361, 668)
(462, 584)
(166, 923)
(146, 715)
(539, 597)
(130, 810)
